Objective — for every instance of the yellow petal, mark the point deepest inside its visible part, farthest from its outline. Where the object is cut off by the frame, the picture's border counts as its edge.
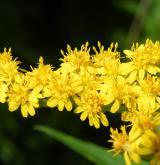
(141, 74)
(31, 110)
(90, 120)
(115, 106)
(153, 69)
(134, 133)
(104, 120)
(132, 77)
(126, 68)
(13, 106)
(68, 105)
(78, 110)
(96, 122)
(146, 141)
(137, 89)
(52, 102)
(152, 102)
(129, 53)
(143, 103)
(84, 115)
(127, 159)
(60, 105)
(108, 99)
(135, 157)
(24, 109)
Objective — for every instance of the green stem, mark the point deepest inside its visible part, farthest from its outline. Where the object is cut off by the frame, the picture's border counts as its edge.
(138, 21)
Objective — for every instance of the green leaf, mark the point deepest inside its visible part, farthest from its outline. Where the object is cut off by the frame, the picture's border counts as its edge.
(94, 153)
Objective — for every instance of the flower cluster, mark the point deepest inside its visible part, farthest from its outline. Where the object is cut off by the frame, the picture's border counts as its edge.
(89, 80)
(142, 73)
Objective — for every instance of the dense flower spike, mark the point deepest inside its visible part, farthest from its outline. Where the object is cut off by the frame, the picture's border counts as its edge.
(91, 82)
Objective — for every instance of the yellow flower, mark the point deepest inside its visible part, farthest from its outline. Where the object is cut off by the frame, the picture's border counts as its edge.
(90, 105)
(143, 120)
(103, 55)
(149, 97)
(61, 87)
(8, 67)
(120, 92)
(144, 58)
(76, 58)
(126, 143)
(107, 61)
(20, 95)
(40, 76)
(150, 147)
(147, 121)
(89, 78)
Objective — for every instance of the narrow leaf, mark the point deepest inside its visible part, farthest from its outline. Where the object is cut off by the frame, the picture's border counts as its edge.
(94, 153)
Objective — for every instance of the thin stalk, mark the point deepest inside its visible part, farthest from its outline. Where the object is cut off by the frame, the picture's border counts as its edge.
(138, 21)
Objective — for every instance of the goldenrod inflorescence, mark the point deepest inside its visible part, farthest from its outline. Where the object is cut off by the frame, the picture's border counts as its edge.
(86, 83)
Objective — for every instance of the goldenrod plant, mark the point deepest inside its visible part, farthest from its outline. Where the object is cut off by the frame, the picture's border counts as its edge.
(89, 81)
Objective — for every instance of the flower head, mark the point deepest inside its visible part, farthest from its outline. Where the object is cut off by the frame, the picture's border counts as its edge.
(76, 58)
(8, 67)
(20, 94)
(150, 146)
(144, 58)
(149, 97)
(107, 61)
(90, 105)
(118, 92)
(40, 76)
(126, 143)
(60, 89)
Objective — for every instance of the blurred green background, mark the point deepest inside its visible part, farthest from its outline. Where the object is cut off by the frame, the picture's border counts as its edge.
(33, 28)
